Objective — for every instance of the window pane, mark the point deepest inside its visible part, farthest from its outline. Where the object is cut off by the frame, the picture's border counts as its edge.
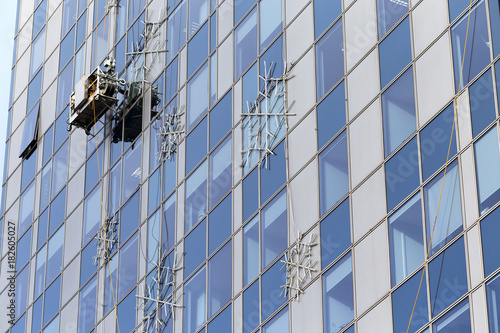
(222, 323)
(220, 279)
(398, 112)
(269, 21)
(331, 114)
(176, 27)
(195, 248)
(403, 300)
(272, 280)
(435, 140)
(241, 8)
(51, 301)
(154, 185)
(493, 298)
(197, 95)
(447, 277)
(197, 49)
(251, 250)
(335, 233)
(131, 170)
(67, 48)
(30, 134)
(92, 217)
(219, 224)
(127, 273)
(198, 12)
(325, 12)
(60, 165)
(490, 232)
(401, 174)
(272, 172)
(194, 302)
(395, 52)
(21, 291)
(274, 228)
(221, 119)
(220, 171)
(169, 175)
(495, 25)
(54, 255)
(406, 243)
(26, 209)
(388, 13)
(457, 320)
(279, 324)
(64, 88)
(487, 165)
(168, 225)
(251, 318)
(329, 59)
(171, 80)
(40, 270)
(482, 103)
(338, 301)
(93, 169)
(196, 196)
(196, 145)
(87, 308)
(57, 211)
(449, 219)
(37, 48)
(477, 51)
(114, 188)
(457, 7)
(245, 43)
(250, 193)
(126, 312)
(87, 263)
(333, 173)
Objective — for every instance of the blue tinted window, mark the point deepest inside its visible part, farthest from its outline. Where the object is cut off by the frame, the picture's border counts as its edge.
(250, 85)
(171, 79)
(241, 8)
(490, 231)
(194, 302)
(219, 224)
(45, 188)
(493, 298)
(456, 7)
(87, 263)
(61, 133)
(388, 13)
(29, 168)
(329, 59)
(333, 173)
(169, 174)
(93, 169)
(222, 323)
(40, 270)
(34, 91)
(213, 79)
(406, 243)
(221, 176)
(338, 300)
(126, 312)
(198, 12)
(272, 61)
(195, 248)
(168, 225)
(477, 50)
(220, 279)
(487, 165)
(221, 119)
(37, 315)
(401, 174)
(60, 165)
(39, 17)
(131, 170)
(64, 88)
(325, 12)
(197, 95)
(20, 325)
(331, 114)
(251, 317)
(197, 49)
(274, 228)
(398, 112)
(51, 300)
(251, 250)
(30, 133)
(176, 30)
(37, 48)
(47, 144)
(23, 250)
(449, 219)
(87, 308)
(272, 173)
(335, 233)
(43, 222)
(110, 283)
(457, 320)
(81, 30)
(54, 255)
(196, 147)
(57, 211)
(495, 25)
(250, 194)
(403, 299)
(279, 323)
(26, 209)
(395, 52)
(245, 43)
(129, 217)
(272, 280)
(114, 188)
(435, 140)
(127, 273)
(269, 21)
(213, 31)
(447, 277)
(67, 48)
(196, 196)
(92, 215)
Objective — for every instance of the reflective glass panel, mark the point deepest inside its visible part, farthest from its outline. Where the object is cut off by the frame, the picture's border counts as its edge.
(197, 95)
(251, 250)
(272, 172)
(220, 279)
(245, 43)
(221, 175)
(325, 12)
(388, 13)
(197, 49)
(129, 217)
(176, 30)
(194, 302)
(395, 52)
(487, 156)
(221, 119)
(195, 248)
(131, 169)
(87, 307)
(274, 228)
(222, 323)
(335, 233)
(198, 13)
(51, 301)
(279, 323)
(493, 298)
(251, 317)
(196, 145)
(329, 59)
(331, 115)
(272, 280)
(457, 320)
(482, 103)
(269, 21)
(196, 196)
(127, 272)
(220, 224)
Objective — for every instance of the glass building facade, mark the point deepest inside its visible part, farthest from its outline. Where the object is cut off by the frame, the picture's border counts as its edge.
(383, 163)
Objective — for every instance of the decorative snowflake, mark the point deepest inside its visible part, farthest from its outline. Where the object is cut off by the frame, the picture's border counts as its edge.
(170, 134)
(160, 297)
(106, 239)
(262, 124)
(299, 267)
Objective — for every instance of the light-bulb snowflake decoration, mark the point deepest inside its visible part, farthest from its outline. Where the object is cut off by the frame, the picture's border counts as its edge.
(170, 134)
(160, 298)
(106, 239)
(263, 123)
(299, 266)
